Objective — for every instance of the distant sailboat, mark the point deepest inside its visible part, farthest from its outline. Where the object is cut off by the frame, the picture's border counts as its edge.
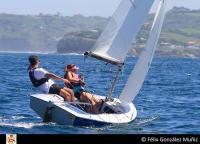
(112, 47)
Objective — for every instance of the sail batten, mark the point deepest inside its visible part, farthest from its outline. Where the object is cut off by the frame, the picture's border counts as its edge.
(141, 68)
(116, 39)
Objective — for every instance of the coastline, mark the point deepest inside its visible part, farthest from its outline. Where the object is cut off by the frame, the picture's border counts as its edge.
(32, 52)
(78, 54)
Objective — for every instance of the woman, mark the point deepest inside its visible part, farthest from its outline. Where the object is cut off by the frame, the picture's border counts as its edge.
(77, 85)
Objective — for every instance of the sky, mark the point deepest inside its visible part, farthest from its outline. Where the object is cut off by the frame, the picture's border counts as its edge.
(103, 8)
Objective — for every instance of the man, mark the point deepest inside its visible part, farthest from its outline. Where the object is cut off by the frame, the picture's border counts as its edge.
(42, 79)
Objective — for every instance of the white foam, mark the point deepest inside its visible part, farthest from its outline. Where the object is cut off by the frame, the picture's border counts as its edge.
(14, 118)
(17, 117)
(22, 125)
(147, 121)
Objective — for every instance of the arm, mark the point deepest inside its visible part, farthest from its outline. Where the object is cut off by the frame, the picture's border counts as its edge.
(55, 77)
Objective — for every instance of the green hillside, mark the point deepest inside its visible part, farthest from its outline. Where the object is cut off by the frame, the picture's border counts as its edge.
(51, 33)
(41, 32)
(181, 26)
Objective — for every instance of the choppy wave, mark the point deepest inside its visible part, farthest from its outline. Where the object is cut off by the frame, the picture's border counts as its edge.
(147, 121)
(23, 125)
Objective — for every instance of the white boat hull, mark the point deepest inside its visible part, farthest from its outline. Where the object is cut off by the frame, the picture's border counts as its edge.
(68, 114)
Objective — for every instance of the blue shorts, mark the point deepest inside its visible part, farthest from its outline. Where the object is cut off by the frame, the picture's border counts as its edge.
(77, 91)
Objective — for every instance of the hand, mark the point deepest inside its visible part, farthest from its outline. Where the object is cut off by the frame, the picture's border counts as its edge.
(81, 76)
(81, 83)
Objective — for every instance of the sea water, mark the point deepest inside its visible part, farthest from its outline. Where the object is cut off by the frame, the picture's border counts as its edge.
(168, 103)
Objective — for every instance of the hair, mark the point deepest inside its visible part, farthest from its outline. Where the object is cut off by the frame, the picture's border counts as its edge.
(65, 69)
(33, 59)
(70, 66)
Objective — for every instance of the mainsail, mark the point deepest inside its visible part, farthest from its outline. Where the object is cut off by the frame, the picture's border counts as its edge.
(115, 41)
(141, 69)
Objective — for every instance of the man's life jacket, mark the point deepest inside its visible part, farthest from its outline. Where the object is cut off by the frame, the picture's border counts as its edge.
(35, 82)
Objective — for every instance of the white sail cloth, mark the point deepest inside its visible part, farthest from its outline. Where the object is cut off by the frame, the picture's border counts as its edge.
(121, 31)
(141, 69)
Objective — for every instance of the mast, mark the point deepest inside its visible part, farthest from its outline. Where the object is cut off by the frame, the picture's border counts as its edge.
(115, 82)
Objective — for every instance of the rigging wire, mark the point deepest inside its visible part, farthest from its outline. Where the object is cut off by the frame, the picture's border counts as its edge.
(133, 3)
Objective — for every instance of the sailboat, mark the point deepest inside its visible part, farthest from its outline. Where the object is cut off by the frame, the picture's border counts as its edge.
(112, 47)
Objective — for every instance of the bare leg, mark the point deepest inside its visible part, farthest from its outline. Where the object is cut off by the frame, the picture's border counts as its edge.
(67, 96)
(95, 98)
(87, 97)
(70, 91)
(96, 103)
(92, 97)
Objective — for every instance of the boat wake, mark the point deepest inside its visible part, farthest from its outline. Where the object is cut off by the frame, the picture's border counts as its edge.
(20, 121)
(22, 125)
(146, 121)
(134, 127)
